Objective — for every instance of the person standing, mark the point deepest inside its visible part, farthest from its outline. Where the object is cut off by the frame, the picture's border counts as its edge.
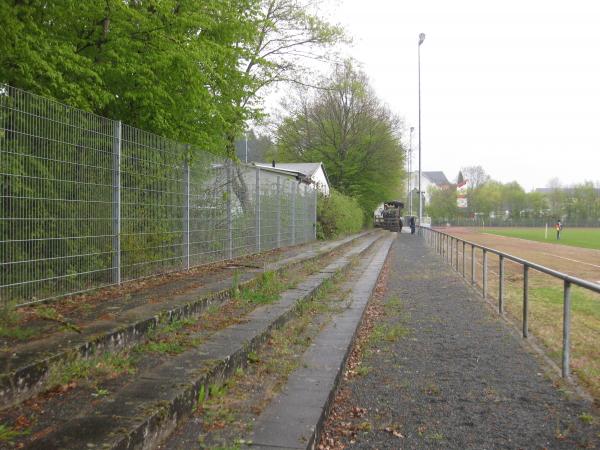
(559, 228)
(412, 224)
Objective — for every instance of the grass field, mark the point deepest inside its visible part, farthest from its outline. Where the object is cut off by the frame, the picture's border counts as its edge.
(575, 237)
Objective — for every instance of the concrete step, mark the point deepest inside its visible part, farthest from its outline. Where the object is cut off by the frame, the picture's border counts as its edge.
(147, 409)
(294, 418)
(25, 366)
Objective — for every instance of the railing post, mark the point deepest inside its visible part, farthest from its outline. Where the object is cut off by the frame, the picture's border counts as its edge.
(456, 240)
(186, 213)
(278, 211)
(484, 282)
(116, 203)
(229, 214)
(525, 301)
(566, 372)
(463, 259)
(450, 254)
(472, 264)
(294, 186)
(501, 286)
(257, 203)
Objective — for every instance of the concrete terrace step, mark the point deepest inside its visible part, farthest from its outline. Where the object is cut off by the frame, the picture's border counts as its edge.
(294, 418)
(26, 366)
(147, 409)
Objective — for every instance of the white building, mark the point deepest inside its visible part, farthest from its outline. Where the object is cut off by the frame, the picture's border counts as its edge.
(313, 173)
(436, 179)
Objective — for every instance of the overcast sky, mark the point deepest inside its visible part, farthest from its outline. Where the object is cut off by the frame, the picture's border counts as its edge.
(513, 86)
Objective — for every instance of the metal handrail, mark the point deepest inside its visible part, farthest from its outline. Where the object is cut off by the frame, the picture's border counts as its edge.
(444, 244)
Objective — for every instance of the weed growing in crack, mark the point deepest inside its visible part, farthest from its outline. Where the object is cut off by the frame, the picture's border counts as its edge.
(8, 433)
(106, 365)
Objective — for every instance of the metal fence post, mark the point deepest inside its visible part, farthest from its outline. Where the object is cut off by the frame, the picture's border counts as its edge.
(257, 213)
(186, 213)
(501, 286)
(116, 201)
(229, 213)
(278, 212)
(472, 264)
(294, 186)
(456, 253)
(316, 198)
(484, 273)
(566, 330)
(463, 259)
(446, 245)
(525, 300)
(305, 214)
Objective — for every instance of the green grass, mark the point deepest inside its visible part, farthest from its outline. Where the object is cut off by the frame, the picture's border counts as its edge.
(575, 237)
(97, 367)
(8, 434)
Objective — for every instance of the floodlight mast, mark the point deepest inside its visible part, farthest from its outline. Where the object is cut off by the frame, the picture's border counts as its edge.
(409, 188)
(421, 40)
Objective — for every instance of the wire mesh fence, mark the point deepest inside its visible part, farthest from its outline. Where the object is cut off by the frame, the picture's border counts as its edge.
(88, 202)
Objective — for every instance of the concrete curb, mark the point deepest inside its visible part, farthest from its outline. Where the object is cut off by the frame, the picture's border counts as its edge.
(295, 418)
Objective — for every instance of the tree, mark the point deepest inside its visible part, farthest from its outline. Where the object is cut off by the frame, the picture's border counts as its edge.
(347, 128)
(171, 67)
(556, 197)
(442, 203)
(476, 175)
(289, 35)
(536, 204)
(513, 199)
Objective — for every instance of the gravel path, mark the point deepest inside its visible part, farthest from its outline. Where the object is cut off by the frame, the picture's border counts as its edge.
(454, 376)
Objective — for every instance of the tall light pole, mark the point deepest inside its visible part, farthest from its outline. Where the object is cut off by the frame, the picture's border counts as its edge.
(421, 39)
(409, 190)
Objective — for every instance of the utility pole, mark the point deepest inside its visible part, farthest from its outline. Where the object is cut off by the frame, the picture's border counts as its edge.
(409, 190)
(421, 39)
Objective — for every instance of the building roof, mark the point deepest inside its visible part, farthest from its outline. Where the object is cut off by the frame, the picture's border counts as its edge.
(437, 177)
(305, 169)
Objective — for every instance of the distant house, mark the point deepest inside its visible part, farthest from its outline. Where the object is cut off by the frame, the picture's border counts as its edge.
(311, 173)
(436, 179)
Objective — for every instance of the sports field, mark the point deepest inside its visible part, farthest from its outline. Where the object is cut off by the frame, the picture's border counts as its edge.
(576, 237)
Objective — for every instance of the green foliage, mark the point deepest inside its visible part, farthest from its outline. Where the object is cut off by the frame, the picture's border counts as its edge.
(442, 203)
(9, 323)
(268, 290)
(8, 434)
(172, 67)
(97, 367)
(356, 137)
(337, 215)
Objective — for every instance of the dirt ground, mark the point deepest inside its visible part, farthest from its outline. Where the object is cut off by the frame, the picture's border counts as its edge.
(575, 261)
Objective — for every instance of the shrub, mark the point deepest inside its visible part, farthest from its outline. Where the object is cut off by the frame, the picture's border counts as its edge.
(337, 215)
